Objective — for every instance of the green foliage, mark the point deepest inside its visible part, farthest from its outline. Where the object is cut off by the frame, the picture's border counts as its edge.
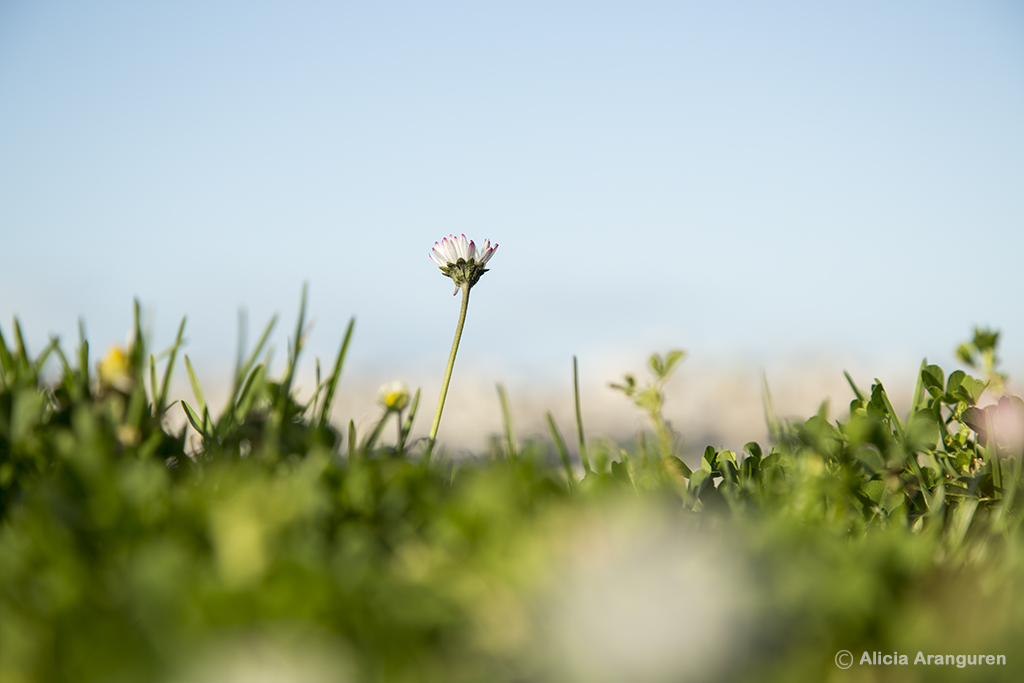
(126, 555)
(651, 398)
(980, 354)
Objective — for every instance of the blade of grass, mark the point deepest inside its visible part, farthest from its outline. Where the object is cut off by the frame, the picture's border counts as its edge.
(258, 349)
(407, 427)
(371, 440)
(6, 360)
(919, 389)
(897, 425)
(506, 415)
(154, 388)
(563, 452)
(138, 343)
(332, 383)
(293, 360)
(83, 360)
(856, 391)
(243, 331)
(41, 360)
(194, 419)
(21, 350)
(769, 410)
(68, 377)
(579, 415)
(249, 392)
(196, 389)
(161, 403)
(242, 369)
(311, 407)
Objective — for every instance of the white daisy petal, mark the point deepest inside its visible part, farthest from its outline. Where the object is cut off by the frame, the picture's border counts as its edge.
(449, 249)
(472, 250)
(487, 254)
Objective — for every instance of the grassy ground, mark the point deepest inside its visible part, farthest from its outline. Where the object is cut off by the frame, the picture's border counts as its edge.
(284, 548)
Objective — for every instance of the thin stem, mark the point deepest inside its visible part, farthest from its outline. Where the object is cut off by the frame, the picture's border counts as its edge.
(399, 441)
(448, 372)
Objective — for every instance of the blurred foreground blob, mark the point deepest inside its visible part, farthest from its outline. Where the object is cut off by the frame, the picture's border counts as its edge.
(1000, 426)
(274, 654)
(639, 599)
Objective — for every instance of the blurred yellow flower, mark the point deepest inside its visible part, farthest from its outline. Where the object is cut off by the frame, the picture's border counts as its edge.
(393, 395)
(115, 371)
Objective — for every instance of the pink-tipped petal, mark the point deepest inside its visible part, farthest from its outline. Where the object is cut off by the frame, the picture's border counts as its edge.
(452, 251)
(434, 256)
(486, 256)
(463, 247)
(472, 251)
(448, 251)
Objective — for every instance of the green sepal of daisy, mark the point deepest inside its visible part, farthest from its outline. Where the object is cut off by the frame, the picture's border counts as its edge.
(463, 271)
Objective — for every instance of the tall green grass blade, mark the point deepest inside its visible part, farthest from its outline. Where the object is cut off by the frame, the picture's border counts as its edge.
(258, 349)
(318, 390)
(853, 385)
(506, 416)
(332, 383)
(351, 440)
(40, 361)
(161, 402)
(563, 452)
(774, 428)
(296, 349)
(919, 391)
(894, 418)
(6, 361)
(196, 389)
(961, 521)
(243, 332)
(579, 414)
(250, 391)
(20, 349)
(194, 419)
(138, 347)
(407, 426)
(371, 440)
(243, 368)
(154, 387)
(68, 377)
(83, 360)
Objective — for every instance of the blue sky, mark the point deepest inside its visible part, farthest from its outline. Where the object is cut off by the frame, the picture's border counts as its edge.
(745, 180)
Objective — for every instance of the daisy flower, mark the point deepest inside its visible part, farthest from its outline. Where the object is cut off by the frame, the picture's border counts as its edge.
(461, 260)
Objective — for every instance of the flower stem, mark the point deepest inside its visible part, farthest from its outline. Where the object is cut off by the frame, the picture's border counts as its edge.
(448, 372)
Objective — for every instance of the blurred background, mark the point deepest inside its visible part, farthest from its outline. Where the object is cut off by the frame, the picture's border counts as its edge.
(795, 189)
